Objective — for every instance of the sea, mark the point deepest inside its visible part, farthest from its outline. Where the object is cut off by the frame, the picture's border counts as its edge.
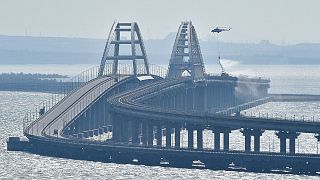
(285, 79)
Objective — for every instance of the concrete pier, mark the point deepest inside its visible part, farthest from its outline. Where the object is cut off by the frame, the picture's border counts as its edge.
(217, 140)
(168, 136)
(159, 135)
(190, 137)
(135, 132)
(217, 131)
(177, 130)
(256, 134)
(150, 134)
(199, 138)
(283, 136)
(226, 140)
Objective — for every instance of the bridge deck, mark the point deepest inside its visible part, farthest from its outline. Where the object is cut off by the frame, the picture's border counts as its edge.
(129, 103)
(70, 106)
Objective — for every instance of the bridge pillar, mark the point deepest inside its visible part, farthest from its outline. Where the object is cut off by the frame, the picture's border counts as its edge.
(177, 136)
(217, 134)
(168, 136)
(84, 122)
(150, 134)
(292, 144)
(257, 136)
(247, 143)
(216, 140)
(283, 143)
(190, 137)
(256, 133)
(76, 128)
(95, 116)
(199, 138)
(159, 135)
(226, 140)
(115, 127)
(91, 118)
(135, 132)
(283, 136)
(144, 133)
(124, 130)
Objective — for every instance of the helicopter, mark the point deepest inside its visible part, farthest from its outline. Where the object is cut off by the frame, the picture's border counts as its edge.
(220, 29)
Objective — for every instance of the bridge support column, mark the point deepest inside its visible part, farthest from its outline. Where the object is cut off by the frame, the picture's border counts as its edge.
(247, 143)
(283, 143)
(135, 132)
(76, 127)
(124, 130)
(256, 133)
(150, 134)
(226, 141)
(144, 133)
(190, 137)
(217, 134)
(216, 140)
(257, 142)
(159, 135)
(199, 138)
(283, 136)
(292, 145)
(292, 141)
(115, 128)
(84, 123)
(168, 136)
(177, 136)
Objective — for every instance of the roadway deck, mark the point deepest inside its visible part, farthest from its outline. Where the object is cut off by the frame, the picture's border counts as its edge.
(129, 103)
(69, 107)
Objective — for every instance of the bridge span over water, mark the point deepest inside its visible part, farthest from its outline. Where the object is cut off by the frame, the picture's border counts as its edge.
(136, 114)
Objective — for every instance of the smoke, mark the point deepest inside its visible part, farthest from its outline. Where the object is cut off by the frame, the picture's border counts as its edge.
(227, 63)
(245, 91)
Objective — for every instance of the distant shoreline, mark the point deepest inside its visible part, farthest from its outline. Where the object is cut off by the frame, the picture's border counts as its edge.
(64, 50)
(33, 82)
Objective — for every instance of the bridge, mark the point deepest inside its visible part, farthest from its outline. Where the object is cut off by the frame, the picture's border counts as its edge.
(137, 113)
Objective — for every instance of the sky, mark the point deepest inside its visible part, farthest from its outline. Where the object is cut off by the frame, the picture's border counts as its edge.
(279, 21)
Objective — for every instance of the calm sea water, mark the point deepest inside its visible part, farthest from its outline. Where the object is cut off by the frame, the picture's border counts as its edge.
(19, 165)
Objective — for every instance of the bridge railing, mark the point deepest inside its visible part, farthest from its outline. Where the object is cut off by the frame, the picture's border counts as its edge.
(127, 69)
(66, 87)
(280, 116)
(71, 84)
(86, 100)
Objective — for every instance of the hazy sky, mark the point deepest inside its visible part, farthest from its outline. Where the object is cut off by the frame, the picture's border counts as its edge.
(290, 21)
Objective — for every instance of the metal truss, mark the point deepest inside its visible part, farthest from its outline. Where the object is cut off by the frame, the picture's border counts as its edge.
(115, 42)
(186, 58)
